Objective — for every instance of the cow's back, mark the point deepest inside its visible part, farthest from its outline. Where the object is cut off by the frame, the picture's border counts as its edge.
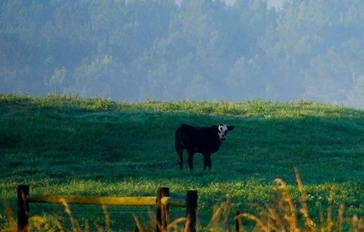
(198, 138)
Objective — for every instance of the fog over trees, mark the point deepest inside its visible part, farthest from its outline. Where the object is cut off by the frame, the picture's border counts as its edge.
(133, 50)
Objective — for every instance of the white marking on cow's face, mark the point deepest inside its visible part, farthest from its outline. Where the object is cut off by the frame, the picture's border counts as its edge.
(222, 131)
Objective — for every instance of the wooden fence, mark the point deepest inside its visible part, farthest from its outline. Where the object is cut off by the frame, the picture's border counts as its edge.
(162, 202)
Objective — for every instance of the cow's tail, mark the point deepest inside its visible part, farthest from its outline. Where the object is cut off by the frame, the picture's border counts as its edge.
(178, 145)
(178, 140)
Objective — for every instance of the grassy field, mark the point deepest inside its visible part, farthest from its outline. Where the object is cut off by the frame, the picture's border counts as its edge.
(73, 146)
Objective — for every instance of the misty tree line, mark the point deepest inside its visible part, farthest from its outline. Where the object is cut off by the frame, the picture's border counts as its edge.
(201, 49)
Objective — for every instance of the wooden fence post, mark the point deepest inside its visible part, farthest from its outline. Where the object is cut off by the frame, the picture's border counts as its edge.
(237, 213)
(191, 208)
(162, 210)
(23, 207)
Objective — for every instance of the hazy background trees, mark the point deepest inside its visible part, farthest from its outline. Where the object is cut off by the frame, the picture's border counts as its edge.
(132, 50)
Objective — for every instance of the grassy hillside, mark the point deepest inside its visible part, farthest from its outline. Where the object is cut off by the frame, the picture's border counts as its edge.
(68, 145)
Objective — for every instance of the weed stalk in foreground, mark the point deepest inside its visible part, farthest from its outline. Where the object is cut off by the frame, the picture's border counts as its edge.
(283, 214)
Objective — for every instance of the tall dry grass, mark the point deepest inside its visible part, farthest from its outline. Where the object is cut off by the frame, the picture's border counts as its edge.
(285, 214)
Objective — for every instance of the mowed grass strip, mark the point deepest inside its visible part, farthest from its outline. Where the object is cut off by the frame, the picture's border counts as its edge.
(72, 146)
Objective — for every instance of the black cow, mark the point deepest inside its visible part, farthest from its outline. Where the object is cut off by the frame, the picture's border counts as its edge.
(203, 140)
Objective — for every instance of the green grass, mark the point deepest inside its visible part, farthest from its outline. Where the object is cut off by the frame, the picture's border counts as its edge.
(67, 145)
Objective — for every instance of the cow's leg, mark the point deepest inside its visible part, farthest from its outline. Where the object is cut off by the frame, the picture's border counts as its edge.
(190, 159)
(207, 161)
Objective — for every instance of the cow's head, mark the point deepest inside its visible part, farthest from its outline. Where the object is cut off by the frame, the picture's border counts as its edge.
(222, 131)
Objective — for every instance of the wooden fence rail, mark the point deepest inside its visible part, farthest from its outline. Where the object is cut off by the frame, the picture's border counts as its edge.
(89, 200)
(162, 201)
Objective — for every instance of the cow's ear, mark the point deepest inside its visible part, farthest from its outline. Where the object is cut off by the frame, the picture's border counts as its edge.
(230, 128)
